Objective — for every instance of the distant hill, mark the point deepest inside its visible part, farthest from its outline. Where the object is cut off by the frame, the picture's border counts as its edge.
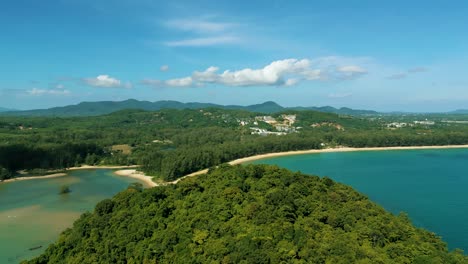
(2, 109)
(460, 111)
(106, 107)
(341, 111)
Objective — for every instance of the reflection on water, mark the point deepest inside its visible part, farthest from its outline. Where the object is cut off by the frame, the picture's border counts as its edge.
(33, 213)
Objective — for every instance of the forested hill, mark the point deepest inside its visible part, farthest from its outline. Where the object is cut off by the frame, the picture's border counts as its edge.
(106, 107)
(251, 214)
(169, 144)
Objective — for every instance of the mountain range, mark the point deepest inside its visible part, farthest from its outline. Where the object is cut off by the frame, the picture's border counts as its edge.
(106, 107)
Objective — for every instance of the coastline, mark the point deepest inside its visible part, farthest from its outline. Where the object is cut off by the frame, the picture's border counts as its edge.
(337, 149)
(132, 173)
(63, 174)
(55, 175)
(317, 151)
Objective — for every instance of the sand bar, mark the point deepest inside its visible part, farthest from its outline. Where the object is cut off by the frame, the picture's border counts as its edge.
(55, 175)
(62, 174)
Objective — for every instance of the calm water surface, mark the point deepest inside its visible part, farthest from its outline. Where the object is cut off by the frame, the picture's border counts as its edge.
(430, 185)
(33, 214)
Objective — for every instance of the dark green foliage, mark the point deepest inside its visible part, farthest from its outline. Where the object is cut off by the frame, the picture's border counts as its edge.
(136, 186)
(251, 214)
(4, 174)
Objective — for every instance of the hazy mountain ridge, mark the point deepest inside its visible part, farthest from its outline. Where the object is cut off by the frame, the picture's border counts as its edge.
(2, 109)
(106, 107)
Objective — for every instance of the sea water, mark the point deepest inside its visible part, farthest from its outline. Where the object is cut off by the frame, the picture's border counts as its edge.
(33, 213)
(430, 185)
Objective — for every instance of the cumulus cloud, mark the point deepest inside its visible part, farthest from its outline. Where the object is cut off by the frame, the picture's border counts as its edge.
(286, 72)
(105, 81)
(38, 92)
(164, 68)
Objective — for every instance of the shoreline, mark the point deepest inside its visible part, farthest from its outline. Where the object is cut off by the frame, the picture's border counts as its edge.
(132, 173)
(338, 149)
(54, 175)
(63, 174)
(318, 151)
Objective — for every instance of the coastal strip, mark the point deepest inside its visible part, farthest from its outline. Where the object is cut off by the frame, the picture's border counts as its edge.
(337, 149)
(55, 175)
(130, 171)
(316, 151)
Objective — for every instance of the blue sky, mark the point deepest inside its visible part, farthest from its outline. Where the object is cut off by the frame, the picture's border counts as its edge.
(381, 55)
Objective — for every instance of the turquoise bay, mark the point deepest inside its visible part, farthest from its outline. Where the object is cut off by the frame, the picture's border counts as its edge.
(430, 185)
(33, 214)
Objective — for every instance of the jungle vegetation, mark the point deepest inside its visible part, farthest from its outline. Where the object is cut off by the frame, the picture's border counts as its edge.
(246, 214)
(171, 143)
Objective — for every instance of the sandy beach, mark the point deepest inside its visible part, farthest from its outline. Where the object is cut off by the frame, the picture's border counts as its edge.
(89, 167)
(327, 150)
(137, 175)
(62, 174)
(337, 149)
(55, 175)
(130, 171)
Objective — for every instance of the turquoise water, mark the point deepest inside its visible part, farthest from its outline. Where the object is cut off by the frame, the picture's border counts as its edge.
(33, 214)
(430, 185)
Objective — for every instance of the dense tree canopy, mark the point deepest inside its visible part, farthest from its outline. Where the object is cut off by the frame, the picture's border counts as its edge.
(246, 214)
(172, 143)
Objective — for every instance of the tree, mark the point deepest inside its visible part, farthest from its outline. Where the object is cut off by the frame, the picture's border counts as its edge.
(4, 174)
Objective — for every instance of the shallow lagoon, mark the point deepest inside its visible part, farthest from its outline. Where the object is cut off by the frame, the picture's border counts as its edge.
(430, 185)
(33, 214)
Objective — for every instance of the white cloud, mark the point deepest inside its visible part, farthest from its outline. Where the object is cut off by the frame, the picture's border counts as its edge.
(38, 92)
(164, 68)
(291, 82)
(182, 82)
(198, 25)
(286, 72)
(105, 81)
(350, 72)
(204, 41)
(199, 32)
(59, 86)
